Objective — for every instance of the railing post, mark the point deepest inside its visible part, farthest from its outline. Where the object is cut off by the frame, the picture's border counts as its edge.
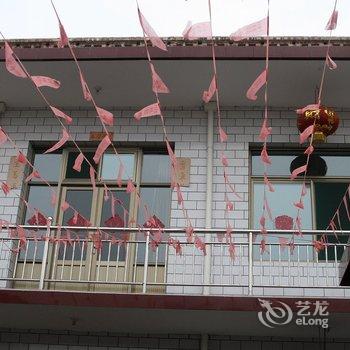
(250, 263)
(45, 252)
(145, 267)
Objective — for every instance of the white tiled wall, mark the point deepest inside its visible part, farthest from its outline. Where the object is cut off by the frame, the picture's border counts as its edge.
(187, 128)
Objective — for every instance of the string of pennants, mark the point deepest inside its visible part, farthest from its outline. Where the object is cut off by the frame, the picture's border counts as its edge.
(191, 32)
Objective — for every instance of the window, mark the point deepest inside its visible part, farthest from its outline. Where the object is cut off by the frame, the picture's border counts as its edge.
(150, 172)
(327, 180)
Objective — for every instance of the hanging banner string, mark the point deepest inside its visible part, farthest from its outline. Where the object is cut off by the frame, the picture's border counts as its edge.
(264, 134)
(331, 25)
(229, 206)
(158, 86)
(92, 168)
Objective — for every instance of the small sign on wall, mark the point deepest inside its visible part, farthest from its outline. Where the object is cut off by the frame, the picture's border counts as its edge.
(99, 135)
(15, 173)
(183, 172)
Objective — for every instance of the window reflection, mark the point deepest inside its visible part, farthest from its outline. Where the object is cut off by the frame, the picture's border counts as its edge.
(158, 202)
(49, 166)
(81, 200)
(111, 165)
(85, 167)
(336, 165)
(155, 168)
(115, 216)
(281, 205)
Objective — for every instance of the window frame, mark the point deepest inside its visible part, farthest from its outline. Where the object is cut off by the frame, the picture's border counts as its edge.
(311, 180)
(64, 184)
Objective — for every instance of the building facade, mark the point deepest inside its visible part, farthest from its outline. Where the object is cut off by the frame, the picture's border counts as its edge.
(64, 293)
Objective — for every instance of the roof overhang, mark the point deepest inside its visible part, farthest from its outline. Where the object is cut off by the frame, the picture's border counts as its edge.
(155, 313)
(118, 73)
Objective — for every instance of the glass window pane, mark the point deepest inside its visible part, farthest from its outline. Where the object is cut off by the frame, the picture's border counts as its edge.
(81, 200)
(337, 165)
(328, 195)
(158, 202)
(156, 168)
(48, 165)
(282, 205)
(85, 167)
(322, 165)
(280, 165)
(111, 164)
(39, 197)
(119, 218)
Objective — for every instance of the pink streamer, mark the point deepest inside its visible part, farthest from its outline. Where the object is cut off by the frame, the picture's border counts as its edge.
(158, 85)
(298, 171)
(264, 156)
(150, 33)
(208, 94)
(41, 81)
(268, 183)
(60, 143)
(64, 206)
(62, 115)
(78, 162)
(255, 29)
(346, 207)
(265, 131)
(223, 135)
(330, 63)
(120, 174)
(309, 150)
(259, 82)
(197, 30)
(199, 244)
(332, 22)
(104, 144)
(148, 111)
(86, 92)
(53, 198)
(299, 205)
(224, 160)
(92, 178)
(229, 204)
(283, 241)
(306, 133)
(34, 174)
(5, 188)
(3, 137)
(105, 116)
(63, 40)
(11, 64)
(21, 158)
(130, 187)
(180, 198)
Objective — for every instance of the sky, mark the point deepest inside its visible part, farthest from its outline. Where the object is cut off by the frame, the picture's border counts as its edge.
(118, 18)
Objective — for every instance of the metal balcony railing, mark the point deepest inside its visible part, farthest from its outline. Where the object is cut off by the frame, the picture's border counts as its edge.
(135, 265)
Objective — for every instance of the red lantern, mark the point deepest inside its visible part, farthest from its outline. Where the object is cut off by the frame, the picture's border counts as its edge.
(326, 122)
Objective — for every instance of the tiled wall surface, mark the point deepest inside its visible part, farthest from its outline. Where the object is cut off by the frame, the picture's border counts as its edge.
(13, 339)
(188, 129)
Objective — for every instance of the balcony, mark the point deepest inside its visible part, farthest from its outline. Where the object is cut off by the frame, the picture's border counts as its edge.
(137, 266)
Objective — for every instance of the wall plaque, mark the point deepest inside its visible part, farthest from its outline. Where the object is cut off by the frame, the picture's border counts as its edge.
(183, 171)
(15, 173)
(99, 135)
